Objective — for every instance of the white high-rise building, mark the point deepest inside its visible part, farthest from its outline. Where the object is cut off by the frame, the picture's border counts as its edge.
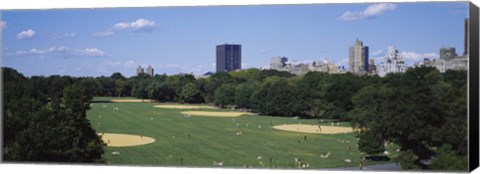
(150, 70)
(139, 70)
(393, 63)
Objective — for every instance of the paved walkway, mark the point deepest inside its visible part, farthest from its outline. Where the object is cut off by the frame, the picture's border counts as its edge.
(378, 167)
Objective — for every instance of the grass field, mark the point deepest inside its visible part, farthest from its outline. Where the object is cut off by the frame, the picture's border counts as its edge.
(199, 140)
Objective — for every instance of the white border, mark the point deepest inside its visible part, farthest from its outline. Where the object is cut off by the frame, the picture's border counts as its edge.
(61, 4)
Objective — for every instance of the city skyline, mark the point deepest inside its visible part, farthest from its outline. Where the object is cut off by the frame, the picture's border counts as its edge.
(103, 41)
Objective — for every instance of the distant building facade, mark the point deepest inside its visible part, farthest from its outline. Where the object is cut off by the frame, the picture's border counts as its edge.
(447, 53)
(324, 66)
(150, 71)
(456, 63)
(358, 58)
(449, 60)
(229, 57)
(278, 62)
(204, 76)
(393, 63)
(372, 68)
(140, 70)
(282, 64)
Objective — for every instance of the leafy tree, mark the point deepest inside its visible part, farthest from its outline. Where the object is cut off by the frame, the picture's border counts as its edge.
(92, 86)
(161, 91)
(86, 145)
(141, 76)
(118, 76)
(270, 73)
(251, 74)
(243, 95)
(177, 82)
(141, 89)
(55, 85)
(225, 95)
(53, 129)
(447, 159)
(456, 78)
(277, 96)
(338, 94)
(416, 110)
(370, 143)
(310, 88)
(407, 160)
(17, 107)
(259, 97)
(190, 94)
(120, 86)
(206, 88)
(220, 78)
(107, 86)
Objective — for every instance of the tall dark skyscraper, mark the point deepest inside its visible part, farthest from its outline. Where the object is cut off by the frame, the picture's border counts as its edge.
(466, 36)
(229, 57)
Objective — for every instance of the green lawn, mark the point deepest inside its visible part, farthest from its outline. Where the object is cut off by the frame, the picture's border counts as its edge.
(214, 139)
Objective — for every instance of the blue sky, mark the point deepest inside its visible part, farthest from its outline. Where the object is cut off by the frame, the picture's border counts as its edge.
(94, 42)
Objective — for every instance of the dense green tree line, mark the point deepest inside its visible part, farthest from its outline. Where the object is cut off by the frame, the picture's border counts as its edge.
(423, 111)
(45, 119)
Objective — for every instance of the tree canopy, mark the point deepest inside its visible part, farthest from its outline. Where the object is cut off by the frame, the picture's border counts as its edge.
(45, 125)
(417, 110)
(423, 111)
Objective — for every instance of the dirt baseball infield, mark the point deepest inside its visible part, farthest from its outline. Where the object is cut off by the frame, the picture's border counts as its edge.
(215, 114)
(184, 107)
(313, 128)
(124, 140)
(131, 101)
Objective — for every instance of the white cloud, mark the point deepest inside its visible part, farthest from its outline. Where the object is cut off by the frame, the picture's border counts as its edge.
(93, 52)
(264, 51)
(140, 25)
(26, 34)
(370, 12)
(414, 56)
(103, 34)
(3, 25)
(60, 52)
(62, 35)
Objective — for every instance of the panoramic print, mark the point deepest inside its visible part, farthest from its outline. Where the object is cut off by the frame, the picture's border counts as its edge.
(368, 86)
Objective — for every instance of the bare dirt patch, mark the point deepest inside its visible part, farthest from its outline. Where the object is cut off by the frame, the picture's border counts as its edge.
(313, 128)
(184, 107)
(215, 114)
(131, 101)
(124, 140)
